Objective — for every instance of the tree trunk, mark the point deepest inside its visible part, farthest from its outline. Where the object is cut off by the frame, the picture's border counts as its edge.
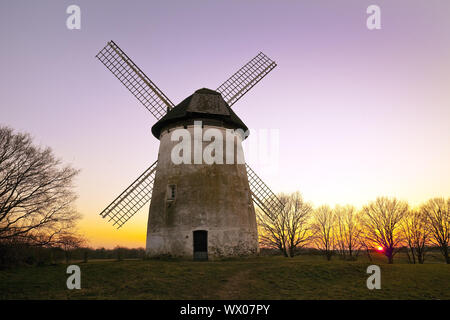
(445, 253)
(420, 258)
(408, 256)
(390, 255)
(283, 250)
(390, 259)
(368, 254)
(291, 252)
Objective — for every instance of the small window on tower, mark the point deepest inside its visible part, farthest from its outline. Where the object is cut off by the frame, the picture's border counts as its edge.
(171, 192)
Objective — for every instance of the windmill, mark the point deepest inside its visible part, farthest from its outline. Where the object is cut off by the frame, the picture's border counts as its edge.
(196, 210)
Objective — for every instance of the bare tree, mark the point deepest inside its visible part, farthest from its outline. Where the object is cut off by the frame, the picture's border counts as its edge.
(69, 242)
(287, 229)
(437, 211)
(323, 228)
(416, 234)
(381, 219)
(273, 230)
(297, 213)
(36, 197)
(348, 231)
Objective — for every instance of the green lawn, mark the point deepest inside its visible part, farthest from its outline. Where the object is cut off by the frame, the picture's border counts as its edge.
(303, 277)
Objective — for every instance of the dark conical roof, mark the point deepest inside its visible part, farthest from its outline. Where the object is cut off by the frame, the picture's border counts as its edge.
(204, 104)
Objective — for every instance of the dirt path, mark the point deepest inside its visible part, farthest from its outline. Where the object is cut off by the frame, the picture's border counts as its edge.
(233, 286)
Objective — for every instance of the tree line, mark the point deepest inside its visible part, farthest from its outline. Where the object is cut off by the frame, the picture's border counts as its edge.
(386, 224)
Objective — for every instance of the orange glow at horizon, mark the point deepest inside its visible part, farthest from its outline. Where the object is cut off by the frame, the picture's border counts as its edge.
(101, 233)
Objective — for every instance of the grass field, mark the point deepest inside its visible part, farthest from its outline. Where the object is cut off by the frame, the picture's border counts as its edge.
(302, 277)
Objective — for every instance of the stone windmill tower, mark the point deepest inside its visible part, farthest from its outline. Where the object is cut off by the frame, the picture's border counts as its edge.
(199, 207)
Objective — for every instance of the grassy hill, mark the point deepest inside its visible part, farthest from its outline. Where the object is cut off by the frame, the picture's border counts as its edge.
(302, 277)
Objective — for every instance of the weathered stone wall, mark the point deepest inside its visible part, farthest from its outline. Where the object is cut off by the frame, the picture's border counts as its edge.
(213, 197)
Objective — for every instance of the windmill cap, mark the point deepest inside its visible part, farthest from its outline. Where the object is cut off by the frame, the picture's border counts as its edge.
(207, 91)
(204, 105)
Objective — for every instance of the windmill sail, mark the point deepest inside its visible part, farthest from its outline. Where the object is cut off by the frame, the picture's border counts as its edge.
(135, 80)
(245, 78)
(132, 199)
(262, 195)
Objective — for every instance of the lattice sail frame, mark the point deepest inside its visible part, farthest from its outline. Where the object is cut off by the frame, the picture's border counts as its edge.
(262, 195)
(132, 199)
(134, 79)
(245, 78)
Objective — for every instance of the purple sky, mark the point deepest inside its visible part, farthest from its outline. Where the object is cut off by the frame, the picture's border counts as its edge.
(360, 113)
